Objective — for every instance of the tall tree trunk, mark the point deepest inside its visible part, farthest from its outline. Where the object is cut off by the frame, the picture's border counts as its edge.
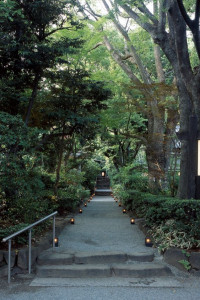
(59, 164)
(174, 44)
(33, 96)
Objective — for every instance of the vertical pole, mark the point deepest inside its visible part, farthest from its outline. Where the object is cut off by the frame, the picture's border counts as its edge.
(29, 251)
(9, 260)
(54, 230)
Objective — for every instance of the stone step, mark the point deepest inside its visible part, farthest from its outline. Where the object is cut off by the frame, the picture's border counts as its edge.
(60, 258)
(73, 271)
(103, 187)
(120, 270)
(103, 182)
(141, 270)
(103, 192)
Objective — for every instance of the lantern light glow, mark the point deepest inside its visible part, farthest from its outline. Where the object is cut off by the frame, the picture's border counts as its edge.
(148, 242)
(132, 221)
(56, 242)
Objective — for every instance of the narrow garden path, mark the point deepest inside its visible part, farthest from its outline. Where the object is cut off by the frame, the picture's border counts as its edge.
(103, 227)
(101, 243)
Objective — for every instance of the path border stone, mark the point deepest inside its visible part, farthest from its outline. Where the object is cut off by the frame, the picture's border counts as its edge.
(172, 256)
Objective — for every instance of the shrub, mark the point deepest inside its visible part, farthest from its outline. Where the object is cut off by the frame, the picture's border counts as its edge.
(20, 239)
(172, 222)
(71, 190)
(168, 235)
(91, 169)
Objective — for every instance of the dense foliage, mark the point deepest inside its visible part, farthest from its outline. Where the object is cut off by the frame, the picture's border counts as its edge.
(171, 222)
(48, 113)
(74, 90)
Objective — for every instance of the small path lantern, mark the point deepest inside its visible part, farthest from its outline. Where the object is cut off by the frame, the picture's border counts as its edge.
(148, 242)
(56, 242)
(72, 221)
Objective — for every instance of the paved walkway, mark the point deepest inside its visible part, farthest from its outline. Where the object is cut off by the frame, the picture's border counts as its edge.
(103, 227)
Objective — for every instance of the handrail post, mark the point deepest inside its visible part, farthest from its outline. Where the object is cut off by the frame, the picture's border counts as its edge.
(54, 231)
(29, 228)
(29, 251)
(9, 259)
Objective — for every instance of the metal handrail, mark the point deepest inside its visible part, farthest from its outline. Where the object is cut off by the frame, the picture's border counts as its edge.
(9, 239)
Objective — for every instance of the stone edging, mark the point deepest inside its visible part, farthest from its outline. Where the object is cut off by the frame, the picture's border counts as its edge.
(19, 260)
(172, 256)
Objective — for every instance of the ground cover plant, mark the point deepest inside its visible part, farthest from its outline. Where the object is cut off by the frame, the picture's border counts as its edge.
(171, 222)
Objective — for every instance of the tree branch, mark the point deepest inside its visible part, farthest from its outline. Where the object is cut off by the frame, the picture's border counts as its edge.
(144, 73)
(162, 15)
(117, 57)
(187, 19)
(197, 11)
(92, 12)
(135, 136)
(96, 46)
(127, 56)
(146, 12)
(146, 26)
(57, 29)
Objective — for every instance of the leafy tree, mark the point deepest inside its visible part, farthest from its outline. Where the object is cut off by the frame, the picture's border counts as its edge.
(70, 109)
(168, 30)
(152, 93)
(28, 48)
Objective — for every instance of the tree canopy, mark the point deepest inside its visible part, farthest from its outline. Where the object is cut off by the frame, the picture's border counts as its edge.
(116, 83)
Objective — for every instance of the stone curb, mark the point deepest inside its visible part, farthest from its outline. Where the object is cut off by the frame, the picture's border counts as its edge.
(172, 256)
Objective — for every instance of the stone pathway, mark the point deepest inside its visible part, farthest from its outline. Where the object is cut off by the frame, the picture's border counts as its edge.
(102, 227)
(101, 243)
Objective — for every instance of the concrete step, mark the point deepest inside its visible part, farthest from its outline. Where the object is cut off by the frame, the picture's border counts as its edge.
(73, 271)
(103, 185)
(141, 270)
(103, 192)
(91, 270)
(55, 258)
(60, 258)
